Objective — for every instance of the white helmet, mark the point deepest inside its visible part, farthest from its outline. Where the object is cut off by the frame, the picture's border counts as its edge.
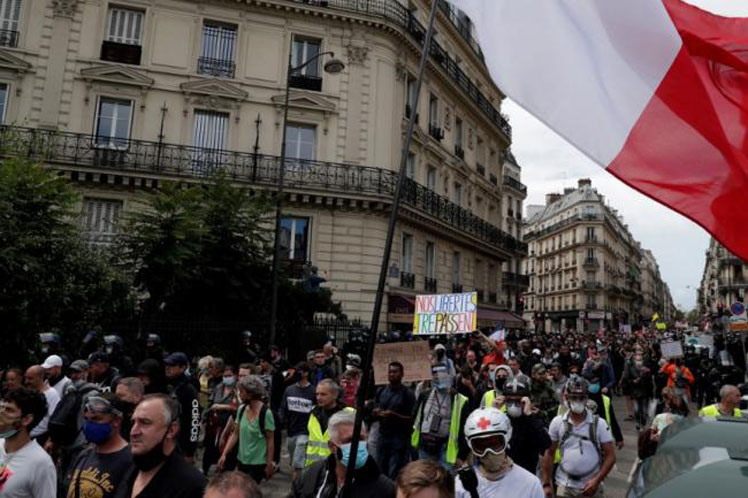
(481, 427)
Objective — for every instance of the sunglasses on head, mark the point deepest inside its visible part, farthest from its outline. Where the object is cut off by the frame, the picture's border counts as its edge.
(99, 405)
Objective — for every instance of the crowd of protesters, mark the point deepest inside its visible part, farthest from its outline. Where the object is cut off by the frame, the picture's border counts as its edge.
(520, 415)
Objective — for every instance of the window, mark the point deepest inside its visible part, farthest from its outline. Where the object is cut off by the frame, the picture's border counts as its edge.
(456, 268)
(458, 133)
(407, 253)
(305, 49)
(125, 26)
(294, 238)
(590, 254)
(300, 142)
(430, 260)
(100, 217)
(3, 101)
(410, 166)
(10, 12)
(431, 178)
(217, 56)
(458, 194)
(410, 94)
(113, 123)
(434, 111)
(590, 233)
(209, 138)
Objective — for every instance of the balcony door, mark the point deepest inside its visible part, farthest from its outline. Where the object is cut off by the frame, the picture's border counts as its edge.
(209, 138)
(218, 46)
(10, 12)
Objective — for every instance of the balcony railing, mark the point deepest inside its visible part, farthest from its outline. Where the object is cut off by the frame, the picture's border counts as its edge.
(407, 280)
(395, 12)
(456, 288)
(518, 186)
(564, 223)
(492, 297)
(459, 152)
(408, 111)
(462, 28)
(492, 178)
(8, 38)
(480, 169)
(481, 294)
(515, 279)
(592, 285)
(145, 157)
(429, 284)
(436, 132)
(220, 68)
(591, 262)
(311, 83)
(123, 53)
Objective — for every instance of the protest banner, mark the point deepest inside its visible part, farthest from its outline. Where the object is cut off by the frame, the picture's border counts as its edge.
(442, 314)
(671, 349)
(413, 355)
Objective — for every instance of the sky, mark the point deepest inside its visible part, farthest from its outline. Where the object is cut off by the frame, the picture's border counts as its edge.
(549, 164)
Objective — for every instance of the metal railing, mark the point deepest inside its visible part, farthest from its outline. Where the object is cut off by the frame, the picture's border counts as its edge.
(407, 280)
(8, 38)
(456, 288)
(429, 284)
(511, 278)
(564, 223)
(516, 185)
(221, 68)
(140, 156)
(394, 12)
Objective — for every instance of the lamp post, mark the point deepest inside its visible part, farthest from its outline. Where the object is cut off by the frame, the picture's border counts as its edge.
(333, 66)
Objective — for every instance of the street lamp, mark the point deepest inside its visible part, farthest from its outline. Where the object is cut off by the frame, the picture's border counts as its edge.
(332, 66)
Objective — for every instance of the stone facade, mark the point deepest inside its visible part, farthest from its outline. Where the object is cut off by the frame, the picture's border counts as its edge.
(723, 282)
(135, 93)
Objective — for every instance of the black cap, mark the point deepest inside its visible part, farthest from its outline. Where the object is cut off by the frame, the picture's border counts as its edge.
(98, 356)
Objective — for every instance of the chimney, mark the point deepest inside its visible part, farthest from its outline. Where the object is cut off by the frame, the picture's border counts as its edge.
(551, 198)
(584, 182)
(569, 190)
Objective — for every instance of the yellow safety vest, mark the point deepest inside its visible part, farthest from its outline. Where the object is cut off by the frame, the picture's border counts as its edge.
(561, 410)
(713, 411)
(458, 403)
(488, 399)
(316, 447)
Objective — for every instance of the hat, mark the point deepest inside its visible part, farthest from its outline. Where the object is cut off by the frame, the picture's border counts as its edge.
(440, 346)
(538, 368)
(79, 365)
(98, 356)
(176, 359)
(52, 361)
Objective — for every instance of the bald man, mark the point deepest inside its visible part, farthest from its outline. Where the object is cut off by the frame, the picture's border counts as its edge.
(34, 379)
(729, 397)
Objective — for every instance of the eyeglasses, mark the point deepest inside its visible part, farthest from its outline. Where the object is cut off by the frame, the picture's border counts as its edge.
(572, 398)
(494, 443)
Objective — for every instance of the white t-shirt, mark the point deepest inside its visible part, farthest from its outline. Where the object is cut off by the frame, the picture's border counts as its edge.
(29, 472)
(62, 386)
(52, 399)
(580, 457)
(517, 483)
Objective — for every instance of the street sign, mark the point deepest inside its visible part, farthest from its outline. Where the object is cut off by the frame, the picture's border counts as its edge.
(737, 308)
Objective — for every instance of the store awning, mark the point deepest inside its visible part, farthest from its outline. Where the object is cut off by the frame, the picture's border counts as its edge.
(488, 317)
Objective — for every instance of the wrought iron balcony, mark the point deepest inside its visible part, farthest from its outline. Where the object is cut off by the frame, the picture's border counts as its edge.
(480, 169)
(407, 280)
(154, 158)
(311, 83)
(460, 152)
(564, 223)
(515, 279)
(8, 38)
(456, 288)
(429, 284)
(436, 132)
(220, 68)
(592, 285)
(408, 111)
(492, 178)
(518, 186)
(123, 53)
(394, 12)
(591, 262)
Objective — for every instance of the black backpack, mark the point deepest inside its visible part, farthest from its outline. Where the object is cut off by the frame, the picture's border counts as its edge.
(64, 424)
(260, 418)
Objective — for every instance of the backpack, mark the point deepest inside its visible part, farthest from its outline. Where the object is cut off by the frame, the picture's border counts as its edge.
(592, 437)
(64, 423)
(469, 481)
(261, 418)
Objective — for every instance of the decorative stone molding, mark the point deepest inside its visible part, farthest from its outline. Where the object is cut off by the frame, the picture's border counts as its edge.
(64, 8)
(470, 138)
(447, 118)
(11, 63)
(357, 54)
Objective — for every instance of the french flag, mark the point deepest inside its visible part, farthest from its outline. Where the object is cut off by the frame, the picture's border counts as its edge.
(655, 91)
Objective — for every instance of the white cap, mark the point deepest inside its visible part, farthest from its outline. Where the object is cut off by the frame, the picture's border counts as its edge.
(52, 361)
(439, 346)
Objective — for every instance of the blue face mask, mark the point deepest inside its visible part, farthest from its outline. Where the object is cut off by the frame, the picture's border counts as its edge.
(594, 388)
(361, 455)
(96, 432)
(229, 381)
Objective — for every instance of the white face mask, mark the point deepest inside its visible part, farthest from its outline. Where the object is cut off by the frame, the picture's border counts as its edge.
(514, 410)
(577, 407)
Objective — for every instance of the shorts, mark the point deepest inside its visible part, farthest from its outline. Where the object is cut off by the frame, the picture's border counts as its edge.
(297, 450)
(563, 491)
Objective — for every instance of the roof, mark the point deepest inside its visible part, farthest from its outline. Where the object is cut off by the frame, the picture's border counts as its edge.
(583, 194)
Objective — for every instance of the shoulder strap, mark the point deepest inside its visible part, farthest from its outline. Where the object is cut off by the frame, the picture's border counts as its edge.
(593, 432)
(469, 481)
(263, 414)
(241, 412)
(568, 431)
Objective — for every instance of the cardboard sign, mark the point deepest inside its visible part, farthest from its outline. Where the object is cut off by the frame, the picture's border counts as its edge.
(413, 355)
(671, 349)
(443, 314)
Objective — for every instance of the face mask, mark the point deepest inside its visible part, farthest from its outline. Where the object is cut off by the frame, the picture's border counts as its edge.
(344, 453)
(229, 381)
(500, 381)
(152, 457)
(8, 434)
(577, 407)
(45, 349)
(440, 354)
(443, 382)
(514, 410)
(109, 350)
(493, 463)
(594, 388)
(96, 432)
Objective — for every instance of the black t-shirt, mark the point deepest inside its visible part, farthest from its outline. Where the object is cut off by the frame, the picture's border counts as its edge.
(529, 440)
(400, 401)
(97, 475)
(176, 479)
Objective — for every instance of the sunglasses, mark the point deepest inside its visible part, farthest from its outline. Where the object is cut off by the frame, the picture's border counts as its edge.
(99, 405)
(495, 443)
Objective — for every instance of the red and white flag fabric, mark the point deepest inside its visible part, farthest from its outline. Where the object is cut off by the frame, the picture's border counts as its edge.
(655, 91)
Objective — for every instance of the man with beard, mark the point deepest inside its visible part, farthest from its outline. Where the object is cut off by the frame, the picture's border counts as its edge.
(53, 372)
(159, 470)
(100, 468)
(493, 473)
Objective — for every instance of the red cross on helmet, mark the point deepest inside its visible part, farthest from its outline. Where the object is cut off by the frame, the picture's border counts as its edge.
(487, 430)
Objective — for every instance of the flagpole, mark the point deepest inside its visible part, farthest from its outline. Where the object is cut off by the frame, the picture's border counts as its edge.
(366, 373)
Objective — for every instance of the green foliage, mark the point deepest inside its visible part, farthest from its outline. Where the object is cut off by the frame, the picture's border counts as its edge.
(49, 279)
